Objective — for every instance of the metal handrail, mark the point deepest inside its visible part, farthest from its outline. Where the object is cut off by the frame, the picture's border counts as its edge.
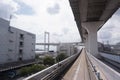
(92, 69)
(52, 71)
(108, 72)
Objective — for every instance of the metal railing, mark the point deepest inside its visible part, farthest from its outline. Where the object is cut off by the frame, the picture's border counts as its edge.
(92, 70)
(15, 65)
(103, 72)
(113, 57)
(53, 71)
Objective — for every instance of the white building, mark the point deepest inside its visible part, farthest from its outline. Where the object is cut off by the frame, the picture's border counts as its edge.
(15, 44)
(67, 48)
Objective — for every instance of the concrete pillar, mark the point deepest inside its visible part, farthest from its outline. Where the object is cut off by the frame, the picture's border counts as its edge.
(86, 41)
(92, 28)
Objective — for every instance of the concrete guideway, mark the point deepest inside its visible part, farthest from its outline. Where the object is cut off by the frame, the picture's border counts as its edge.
(87, 67)
(106, 73)
(79, 70)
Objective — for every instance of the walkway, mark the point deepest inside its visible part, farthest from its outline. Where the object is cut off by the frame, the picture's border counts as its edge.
(87, 67)
(79, 70)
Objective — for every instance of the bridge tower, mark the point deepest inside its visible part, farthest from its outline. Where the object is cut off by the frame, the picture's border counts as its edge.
(46, 37)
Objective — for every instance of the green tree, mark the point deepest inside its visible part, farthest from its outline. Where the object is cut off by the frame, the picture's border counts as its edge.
(48, 60)
(31, 69)
(61, 57)
(36, 56)
(24, 71)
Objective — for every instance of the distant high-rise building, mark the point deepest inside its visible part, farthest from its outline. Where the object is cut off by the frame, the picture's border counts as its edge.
(66, 48)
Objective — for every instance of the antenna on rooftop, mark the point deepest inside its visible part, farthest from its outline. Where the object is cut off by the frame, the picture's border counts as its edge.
(10, 18)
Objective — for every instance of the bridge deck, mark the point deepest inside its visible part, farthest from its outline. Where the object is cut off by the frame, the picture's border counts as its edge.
(79, 70)
(83, 69)
(106, 72)
(86, 67)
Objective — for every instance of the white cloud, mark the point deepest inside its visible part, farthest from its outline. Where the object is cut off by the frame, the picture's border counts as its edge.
(7, 7)
(111, 30)
(43, 21)
(61, 26)
(53, 9)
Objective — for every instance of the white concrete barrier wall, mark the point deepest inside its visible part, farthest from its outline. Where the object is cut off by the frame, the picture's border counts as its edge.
(106, 72)
(115, 58)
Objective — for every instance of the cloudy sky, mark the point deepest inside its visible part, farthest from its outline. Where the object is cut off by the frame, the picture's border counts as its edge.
(38, 16)
(54, 16)
(110, 32)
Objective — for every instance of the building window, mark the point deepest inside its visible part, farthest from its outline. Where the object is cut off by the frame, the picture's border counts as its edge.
(10, 41)
(21, 36)
(20, 58)
(10, 50)
(20, 51)
(20, 54)
(21, 44)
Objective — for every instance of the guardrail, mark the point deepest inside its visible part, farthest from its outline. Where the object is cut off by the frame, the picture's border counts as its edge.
(15, 65)
(103, 70)
(114, 57)
(53, 71)
(94, 75)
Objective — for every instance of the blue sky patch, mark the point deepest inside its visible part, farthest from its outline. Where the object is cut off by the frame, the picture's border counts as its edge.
(25, 9)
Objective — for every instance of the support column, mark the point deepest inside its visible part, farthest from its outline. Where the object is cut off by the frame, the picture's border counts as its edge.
(86, 42)
(92, 28)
